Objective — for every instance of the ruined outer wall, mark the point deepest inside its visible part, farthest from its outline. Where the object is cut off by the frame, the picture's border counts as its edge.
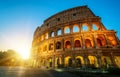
(46, 37)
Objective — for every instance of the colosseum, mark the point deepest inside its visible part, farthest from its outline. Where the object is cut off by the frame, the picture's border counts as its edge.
(76, 38)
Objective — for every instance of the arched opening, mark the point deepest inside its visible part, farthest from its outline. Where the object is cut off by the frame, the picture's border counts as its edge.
(59, 32)
(50, 62)
(77, 43)
(67, 44)
(85, 28)
(79, 61)
(117, 61)
(58, 62)
(58, 45)
(52, 34)
(66, 30)
(106, 61)
(75, 28)
(112, 41)
(88, 43)
(45, 48)
(94, 27)
(46, 35)
(51, 46)
(43, 62)
(99, 42)
(68, 61)
(93, 61)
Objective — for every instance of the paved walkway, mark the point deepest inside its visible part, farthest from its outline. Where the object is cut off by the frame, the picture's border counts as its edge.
(29, 72)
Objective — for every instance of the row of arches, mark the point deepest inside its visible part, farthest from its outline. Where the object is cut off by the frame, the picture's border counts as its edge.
(80, 61)
(78, 43)
(75, 29)
(68, 30)
(98, 40)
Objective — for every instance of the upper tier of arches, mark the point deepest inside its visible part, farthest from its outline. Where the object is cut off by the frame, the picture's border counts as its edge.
(69, 29)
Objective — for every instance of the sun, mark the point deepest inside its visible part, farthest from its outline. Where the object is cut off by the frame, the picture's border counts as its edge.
(24, 52)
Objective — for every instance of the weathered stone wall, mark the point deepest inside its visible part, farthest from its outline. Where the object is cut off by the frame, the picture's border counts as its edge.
(75, 34)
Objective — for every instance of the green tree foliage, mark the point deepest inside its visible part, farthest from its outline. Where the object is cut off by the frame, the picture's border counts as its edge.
(9, 58)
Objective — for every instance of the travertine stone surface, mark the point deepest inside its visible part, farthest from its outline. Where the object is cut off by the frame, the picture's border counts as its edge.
(75, 38)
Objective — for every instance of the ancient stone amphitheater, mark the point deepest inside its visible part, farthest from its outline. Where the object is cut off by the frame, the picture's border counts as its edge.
(77, 38)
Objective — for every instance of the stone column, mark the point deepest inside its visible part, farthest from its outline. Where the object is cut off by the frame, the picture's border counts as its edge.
(62, 62)
(107, 43)
(112, 59)
(72, 44)
(80, 28)
(62, 44)
(73, 60)
(95, 41)
(62, 29)
(71, 29)
(90, 26)
(99, 61)
(54, 48)
(53, 61)
(85, 60)
(83, 42)
(46, 62)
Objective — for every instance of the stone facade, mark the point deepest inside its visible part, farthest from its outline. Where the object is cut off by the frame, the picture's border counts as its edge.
(75, 38)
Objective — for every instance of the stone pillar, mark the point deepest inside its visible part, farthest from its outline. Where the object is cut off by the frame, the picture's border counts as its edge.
(90, 26)
(53, 61)
(85, 60)
(63, 60)
(83, 42)
(46, 62)
(80, 28)
(95, 41)
(72, 43)
(62, 44)
(71, 29)
(73, 61)
(99, 61)
(49, 34)
(55, 33)
(112, 59)
(54, 45)
(107, 42)
(62, 29)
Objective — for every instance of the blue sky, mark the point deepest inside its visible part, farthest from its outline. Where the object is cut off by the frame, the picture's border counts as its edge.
(20, 18)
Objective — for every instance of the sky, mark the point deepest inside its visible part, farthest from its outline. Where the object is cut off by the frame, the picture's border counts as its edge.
(20, 18)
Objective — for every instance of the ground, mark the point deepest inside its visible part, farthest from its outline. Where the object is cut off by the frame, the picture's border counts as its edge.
(32, 72)
(37, 72)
